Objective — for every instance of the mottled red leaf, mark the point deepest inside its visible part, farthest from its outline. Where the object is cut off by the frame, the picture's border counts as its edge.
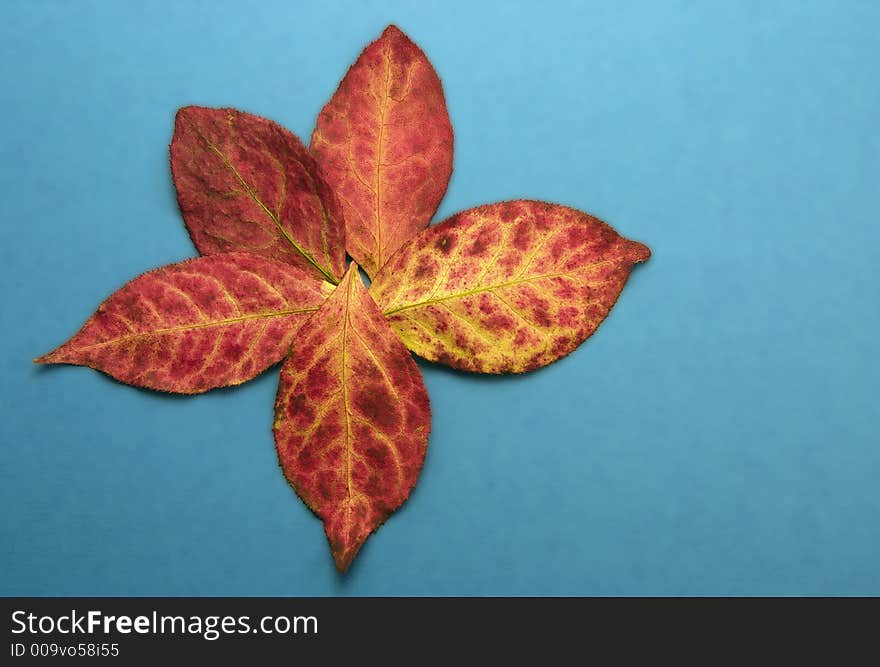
(207, 322)
(245, 183)
(384, 142)
(351, 418)
(507, 287)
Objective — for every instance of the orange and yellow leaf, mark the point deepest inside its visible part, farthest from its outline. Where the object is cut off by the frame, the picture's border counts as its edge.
(208, 322)
(384, 143)
(507, 287)
(351, 418)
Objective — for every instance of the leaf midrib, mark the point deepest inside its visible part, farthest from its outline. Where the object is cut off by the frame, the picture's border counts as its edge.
(202, 325)
(479, 290)
(346, 408)
(328, 275)
(383, 110)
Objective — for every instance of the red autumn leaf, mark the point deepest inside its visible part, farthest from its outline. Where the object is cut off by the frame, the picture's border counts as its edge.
(384, 143)
(351, 418)
(246, 183)
(207, 322)
(505, 288)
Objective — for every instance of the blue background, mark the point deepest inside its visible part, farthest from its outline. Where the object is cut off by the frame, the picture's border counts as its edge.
(716, 436)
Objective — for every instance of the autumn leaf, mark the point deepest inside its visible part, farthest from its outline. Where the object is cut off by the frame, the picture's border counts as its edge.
(208, 322)
(505, 288)
(501, 288)
(384, 143)
(246, 183)
(351, 418)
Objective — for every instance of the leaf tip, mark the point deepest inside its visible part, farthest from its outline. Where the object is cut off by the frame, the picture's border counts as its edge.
(638, 252)
(392, 30)
(346, 536)
(343, 558)
(48, 358)
(350, 273)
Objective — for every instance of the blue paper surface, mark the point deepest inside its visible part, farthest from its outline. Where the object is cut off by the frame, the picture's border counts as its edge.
(718, 435)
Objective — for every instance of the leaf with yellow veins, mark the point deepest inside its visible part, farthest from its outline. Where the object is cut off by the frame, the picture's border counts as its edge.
(246, 183)
(507, 287)
(351, 418)
(208, 322)
(384, 143)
